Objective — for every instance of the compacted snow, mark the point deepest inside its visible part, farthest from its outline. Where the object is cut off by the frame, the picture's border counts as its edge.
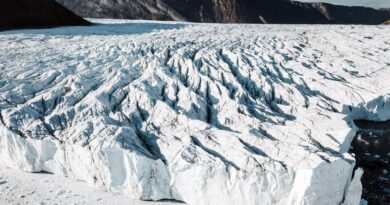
(199, 113)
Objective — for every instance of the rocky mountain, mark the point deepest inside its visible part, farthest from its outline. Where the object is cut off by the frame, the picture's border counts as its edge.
(228, 11)
(36, 13)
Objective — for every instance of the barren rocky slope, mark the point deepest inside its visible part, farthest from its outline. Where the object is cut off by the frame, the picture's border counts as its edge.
(36, 13)
(228, 11)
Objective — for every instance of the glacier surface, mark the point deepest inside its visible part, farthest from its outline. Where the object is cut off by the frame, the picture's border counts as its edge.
(200, 113)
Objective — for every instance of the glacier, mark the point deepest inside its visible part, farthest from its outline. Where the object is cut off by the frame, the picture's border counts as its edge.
(198, 113)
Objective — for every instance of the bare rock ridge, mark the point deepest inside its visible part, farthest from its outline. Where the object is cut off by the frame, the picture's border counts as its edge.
(228, 11)
(36, 13)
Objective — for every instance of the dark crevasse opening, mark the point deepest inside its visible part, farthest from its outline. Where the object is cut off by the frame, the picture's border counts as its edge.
(371, 148)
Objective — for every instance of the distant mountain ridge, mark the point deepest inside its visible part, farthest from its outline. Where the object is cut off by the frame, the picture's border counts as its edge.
(36, 14)
(228, 11)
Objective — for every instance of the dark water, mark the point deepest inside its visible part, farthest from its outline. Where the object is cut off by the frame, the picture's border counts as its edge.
(371, 147)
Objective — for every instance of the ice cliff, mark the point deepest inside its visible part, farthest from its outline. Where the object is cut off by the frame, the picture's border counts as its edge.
(204, 114)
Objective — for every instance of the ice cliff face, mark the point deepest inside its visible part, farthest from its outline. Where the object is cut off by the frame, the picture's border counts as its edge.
(205, 114)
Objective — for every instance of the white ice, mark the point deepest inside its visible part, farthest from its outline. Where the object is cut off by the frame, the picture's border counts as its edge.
(200, 113)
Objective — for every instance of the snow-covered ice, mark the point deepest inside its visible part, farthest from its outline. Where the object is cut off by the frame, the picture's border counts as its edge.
(19, 187)
(200, 113)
